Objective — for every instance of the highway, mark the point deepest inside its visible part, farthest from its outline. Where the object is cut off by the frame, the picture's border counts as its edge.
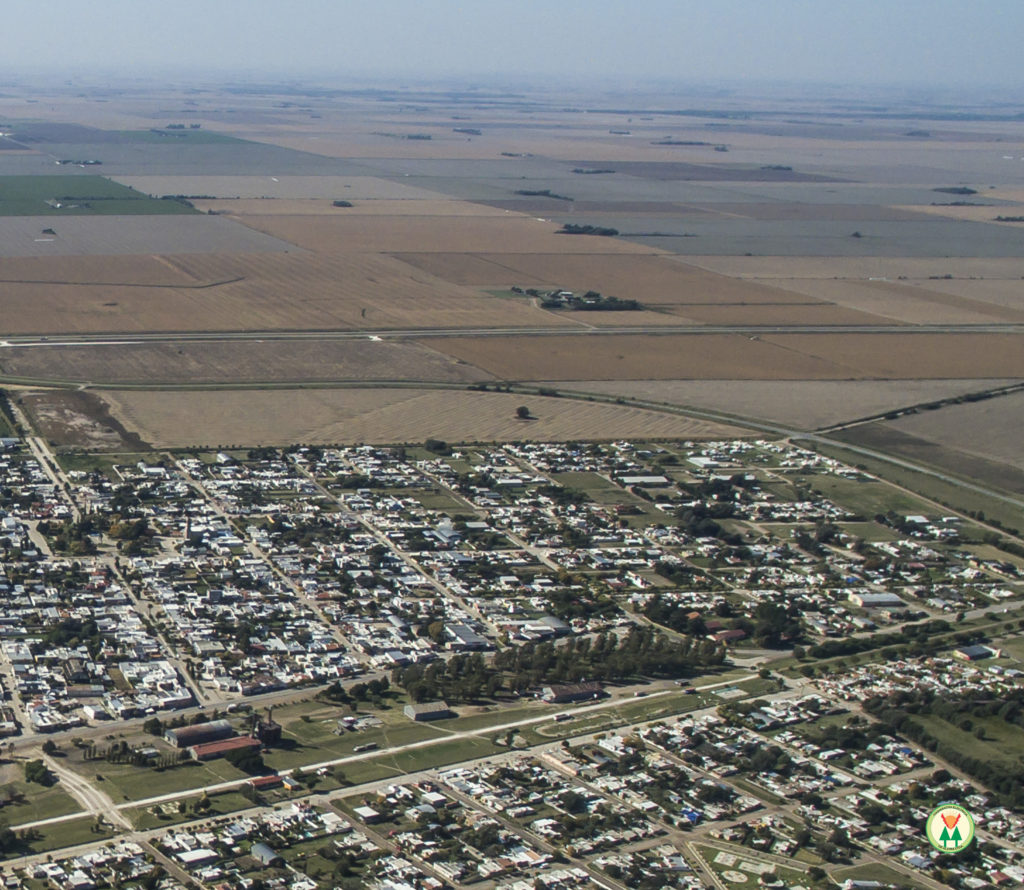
(122, 338)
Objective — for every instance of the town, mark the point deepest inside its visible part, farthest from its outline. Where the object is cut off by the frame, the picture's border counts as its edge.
(630, 664)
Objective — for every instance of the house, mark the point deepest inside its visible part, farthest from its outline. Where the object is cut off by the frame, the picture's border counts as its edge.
(430, 710)
(975, 653)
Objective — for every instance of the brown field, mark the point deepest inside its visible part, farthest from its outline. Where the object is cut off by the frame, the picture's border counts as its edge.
(973, 214)
(21, 236)
(737, 357)
(331, 188)
(913, 356)
(267, 292)
(142, 270)
(989, 429)
(638, 357)
(1007, 292)
(240, 361)
(779, 314)
(324, 207)
(767, 267)
(912, 302)
(386, 415)
(782, 212)
(653, 278)
(434, 235)
(884, 437)
(802, 404)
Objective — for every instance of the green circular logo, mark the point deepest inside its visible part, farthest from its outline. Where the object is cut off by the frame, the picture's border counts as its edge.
(950, 828)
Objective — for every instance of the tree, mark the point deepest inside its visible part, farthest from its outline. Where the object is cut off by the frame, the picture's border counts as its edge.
(36, 771)
(154, 726)
(49, 747)
(523, 412)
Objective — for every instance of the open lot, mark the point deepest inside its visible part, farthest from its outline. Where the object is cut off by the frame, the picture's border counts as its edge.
(384, 415)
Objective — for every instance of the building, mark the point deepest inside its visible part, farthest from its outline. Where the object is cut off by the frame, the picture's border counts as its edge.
(265, 856)
(429, 710)
(213, 750)
(975, 653)
(199, 734)
(570, 692)
(268, 731)
(876, 600)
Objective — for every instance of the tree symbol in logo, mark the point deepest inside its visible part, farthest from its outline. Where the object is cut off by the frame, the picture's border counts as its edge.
(950, 838)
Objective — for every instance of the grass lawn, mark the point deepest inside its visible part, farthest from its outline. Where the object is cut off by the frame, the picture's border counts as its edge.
(868, 498)
(876, 871)
(37, 802)
(124, 782)
(79, 195)
(103, 463)
(1003, 741)
(144, 818)
(929, 486)
(69, 834)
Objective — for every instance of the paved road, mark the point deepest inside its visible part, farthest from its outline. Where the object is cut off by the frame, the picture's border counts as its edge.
(571, 329)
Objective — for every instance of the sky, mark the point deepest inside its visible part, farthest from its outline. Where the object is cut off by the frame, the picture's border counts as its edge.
(964, 43)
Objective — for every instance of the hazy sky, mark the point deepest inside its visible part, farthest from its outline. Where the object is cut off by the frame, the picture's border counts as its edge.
(942, 42)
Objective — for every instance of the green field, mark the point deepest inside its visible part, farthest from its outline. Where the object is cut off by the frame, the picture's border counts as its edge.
(35, 803)
(80, 195)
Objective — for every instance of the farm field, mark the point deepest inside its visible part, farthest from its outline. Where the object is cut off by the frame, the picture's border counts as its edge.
(385, 415)
(802, 404)
(324, 206)
(279, 291)
(934, 453)
(647, 276)
(881, 267)
(738, 357)
(912, 302)
(417, 234)
(235, 362)
(26, 236)
(77, 196)
(989, 429)
(277, 186)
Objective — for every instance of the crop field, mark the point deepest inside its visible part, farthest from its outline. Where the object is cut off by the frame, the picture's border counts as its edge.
(913, 356)
(989, 428)
(653, 279)
(737, 357)
(992, 292)
(277, 186)
(880, 267)
(26, 236)
(437, 235)
(803, 404)
(265, 292)
(434, 207)
(883, 437)
(234, 362)
(78, 419)
(384, 415)
(77, 196)
(911, 302)
(140, 271)
(639, 357)
(779, 314)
